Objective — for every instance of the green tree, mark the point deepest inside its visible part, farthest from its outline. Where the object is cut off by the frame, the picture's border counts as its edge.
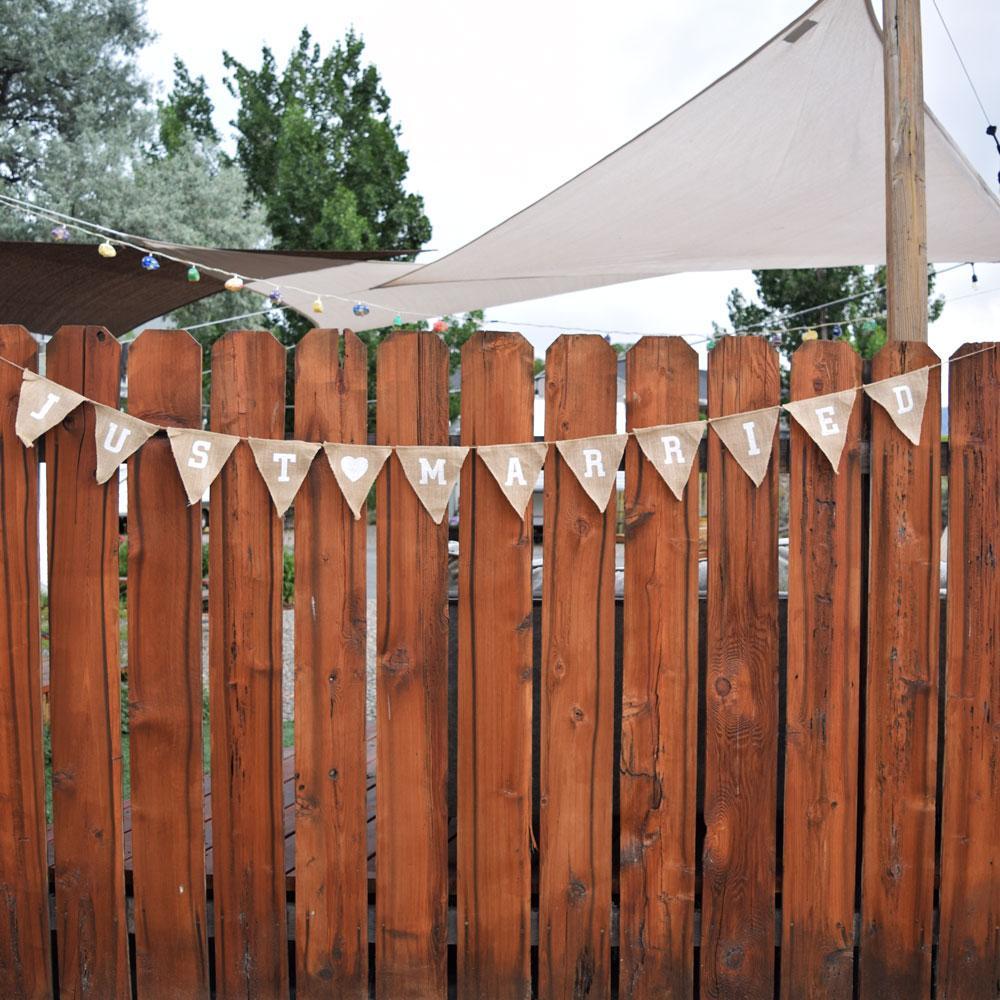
(852, 300)
(64, 66)
(321, 152)
(186, 114)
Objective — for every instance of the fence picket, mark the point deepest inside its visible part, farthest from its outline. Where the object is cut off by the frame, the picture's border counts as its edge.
(85, 681)
(25, 952)
(165, 683)
(244, 600)
(494, 681)
(412, 703)
(331, 885)
(901, 719)
(741, 692)
(823, 688)
(578, 629)
(969, 950)
(658, 766)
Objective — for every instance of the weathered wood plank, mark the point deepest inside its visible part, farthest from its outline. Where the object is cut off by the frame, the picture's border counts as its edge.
(494, 682)
(969, 952)
(331, 894)
(25, 950)
(578, 626)
(244, 609)
(741, 690)
(412, 704)
(897, 892)
(165, 685)
(84, 685)
(658, 766)
(823, 689)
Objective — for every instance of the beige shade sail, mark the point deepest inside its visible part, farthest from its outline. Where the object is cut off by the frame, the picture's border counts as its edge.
(780, 163)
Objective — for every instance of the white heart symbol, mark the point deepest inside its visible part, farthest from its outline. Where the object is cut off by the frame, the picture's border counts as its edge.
(354, 467)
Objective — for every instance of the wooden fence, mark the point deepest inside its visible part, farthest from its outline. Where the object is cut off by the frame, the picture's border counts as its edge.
(820, 821)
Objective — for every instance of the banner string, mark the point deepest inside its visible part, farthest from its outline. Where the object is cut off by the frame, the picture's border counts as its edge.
(726, 416)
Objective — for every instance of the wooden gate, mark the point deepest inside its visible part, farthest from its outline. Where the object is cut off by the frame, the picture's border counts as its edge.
(666, 795)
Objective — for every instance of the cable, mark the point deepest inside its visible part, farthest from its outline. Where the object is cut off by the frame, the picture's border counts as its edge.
(961, 61)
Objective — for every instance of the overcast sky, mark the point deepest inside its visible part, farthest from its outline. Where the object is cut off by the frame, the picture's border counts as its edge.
(500, 103)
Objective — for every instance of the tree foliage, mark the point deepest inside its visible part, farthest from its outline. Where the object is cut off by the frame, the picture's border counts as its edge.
(186, 114)
(787, 300)
(65, 65)
(321, 152)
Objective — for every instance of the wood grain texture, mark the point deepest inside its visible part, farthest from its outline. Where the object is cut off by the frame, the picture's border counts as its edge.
(84, 686)
(578, 627)
(741, 692)
(331, 891)
(969, 951)
(897, 892)
(165, 683)
(412, 702)
(823, 689)
(244, 610)
(905, 194)
(494, 681)
(658, 766)
(25, 950)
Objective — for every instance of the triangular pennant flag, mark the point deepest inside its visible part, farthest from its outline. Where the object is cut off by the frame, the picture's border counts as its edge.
(41, 405)
(672, 449)
(515, 467)
(284, 465)
(825, 419)
(118, 436)
(749, 438)
(432, 472)
(355, 467)
(200, 456)
(903, 398)
(595, 462)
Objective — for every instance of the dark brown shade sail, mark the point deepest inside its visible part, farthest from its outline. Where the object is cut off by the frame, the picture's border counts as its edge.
(46, 285)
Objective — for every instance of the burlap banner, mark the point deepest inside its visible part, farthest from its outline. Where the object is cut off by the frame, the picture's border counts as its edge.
(118, 436)
(903, 398)
(41, 405)
(284, 465)
(432, 472)
(825, 419)
(515, 467)
(672, 449)
(200, 456)
(355, 467)
(595, 462)
(749, 438)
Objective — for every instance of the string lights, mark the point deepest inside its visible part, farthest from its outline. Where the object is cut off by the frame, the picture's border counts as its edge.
(66, 224)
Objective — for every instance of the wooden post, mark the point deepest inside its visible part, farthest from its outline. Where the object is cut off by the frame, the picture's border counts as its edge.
(905, 200)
